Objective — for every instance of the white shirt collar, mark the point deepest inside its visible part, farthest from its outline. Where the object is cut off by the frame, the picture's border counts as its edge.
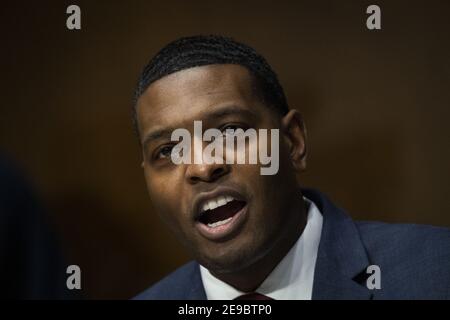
(292, 278)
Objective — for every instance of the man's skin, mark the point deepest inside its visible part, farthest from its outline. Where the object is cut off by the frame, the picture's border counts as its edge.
(274, 216)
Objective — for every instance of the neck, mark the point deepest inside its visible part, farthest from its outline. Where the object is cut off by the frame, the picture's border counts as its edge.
(251, 277)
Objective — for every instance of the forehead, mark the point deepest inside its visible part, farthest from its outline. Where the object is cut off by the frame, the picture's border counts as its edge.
(188, 94)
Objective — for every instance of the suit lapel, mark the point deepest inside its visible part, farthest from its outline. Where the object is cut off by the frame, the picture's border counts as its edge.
(195, 291)
(341, 258)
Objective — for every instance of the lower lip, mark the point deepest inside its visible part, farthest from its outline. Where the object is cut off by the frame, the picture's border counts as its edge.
(225, 231)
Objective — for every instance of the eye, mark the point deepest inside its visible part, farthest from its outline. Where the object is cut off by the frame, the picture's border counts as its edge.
(164, 152)
(232, 127)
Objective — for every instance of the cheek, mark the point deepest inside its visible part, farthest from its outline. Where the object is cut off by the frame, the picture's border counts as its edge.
(162, 193)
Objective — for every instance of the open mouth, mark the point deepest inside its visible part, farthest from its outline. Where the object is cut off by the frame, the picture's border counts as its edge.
(221, 217)
(220, 211)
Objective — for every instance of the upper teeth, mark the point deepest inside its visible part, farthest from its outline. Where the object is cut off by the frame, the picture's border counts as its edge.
(216, 202)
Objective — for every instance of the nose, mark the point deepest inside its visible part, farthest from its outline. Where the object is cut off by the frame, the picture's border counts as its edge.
(196, 173)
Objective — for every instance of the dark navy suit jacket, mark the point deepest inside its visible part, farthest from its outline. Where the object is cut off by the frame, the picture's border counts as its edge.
(414, 261)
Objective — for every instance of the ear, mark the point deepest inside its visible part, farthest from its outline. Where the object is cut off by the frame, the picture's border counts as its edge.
(295, 133)
(143, 158)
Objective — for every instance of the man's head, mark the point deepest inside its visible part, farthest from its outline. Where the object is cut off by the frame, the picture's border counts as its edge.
(226, 85)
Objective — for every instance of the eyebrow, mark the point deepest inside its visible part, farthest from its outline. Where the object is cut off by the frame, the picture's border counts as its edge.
(230, 110)
(217, 113)
(157, 134)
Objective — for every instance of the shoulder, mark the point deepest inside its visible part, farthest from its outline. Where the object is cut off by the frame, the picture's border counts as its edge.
(182, 284)
(405, 237)
(410, 256)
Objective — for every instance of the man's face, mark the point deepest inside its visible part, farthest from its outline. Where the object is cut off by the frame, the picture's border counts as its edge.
(258, 207)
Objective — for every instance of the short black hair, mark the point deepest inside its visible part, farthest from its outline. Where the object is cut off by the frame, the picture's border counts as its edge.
(201, 50)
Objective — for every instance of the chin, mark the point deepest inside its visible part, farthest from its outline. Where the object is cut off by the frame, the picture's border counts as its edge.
(228, 260)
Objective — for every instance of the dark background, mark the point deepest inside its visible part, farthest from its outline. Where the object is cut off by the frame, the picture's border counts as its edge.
(376, 106)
